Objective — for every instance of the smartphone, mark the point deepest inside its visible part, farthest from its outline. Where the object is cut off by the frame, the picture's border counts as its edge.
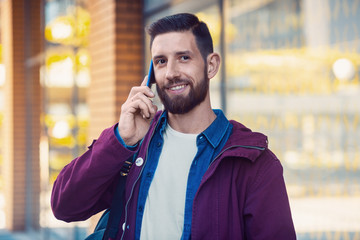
(151, 75)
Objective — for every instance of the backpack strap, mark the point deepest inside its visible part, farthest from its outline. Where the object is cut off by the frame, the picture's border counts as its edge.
(117, 204)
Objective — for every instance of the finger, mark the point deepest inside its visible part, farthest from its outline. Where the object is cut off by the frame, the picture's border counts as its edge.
(142, 108)
(152, 114)
(141, 89)
(155, 108)
(134, 104)
(143, 83)
(148, 101)
(152, 108)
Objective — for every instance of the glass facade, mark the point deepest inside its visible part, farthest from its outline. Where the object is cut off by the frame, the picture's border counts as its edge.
(65, 80)
(291, 70)
(293, 74)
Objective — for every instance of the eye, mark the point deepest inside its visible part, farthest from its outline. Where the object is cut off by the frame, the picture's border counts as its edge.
(160, 61)
(185, 58)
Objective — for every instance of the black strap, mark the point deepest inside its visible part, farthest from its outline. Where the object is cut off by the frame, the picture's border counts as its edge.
(117, 204)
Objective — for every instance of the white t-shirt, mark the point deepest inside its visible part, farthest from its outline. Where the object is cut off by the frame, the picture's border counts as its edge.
(165, 204)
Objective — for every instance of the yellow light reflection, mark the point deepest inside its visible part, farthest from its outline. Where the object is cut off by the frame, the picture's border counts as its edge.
(72, 29)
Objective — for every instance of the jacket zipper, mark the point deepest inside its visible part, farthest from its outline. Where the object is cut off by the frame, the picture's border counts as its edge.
(132, 189)
(226, 149)
(234, 146)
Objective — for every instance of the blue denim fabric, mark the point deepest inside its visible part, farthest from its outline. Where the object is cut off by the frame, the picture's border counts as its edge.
(153, 153)
(117, 134)
(209, 144)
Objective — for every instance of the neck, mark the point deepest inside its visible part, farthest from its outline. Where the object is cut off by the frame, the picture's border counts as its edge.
(195, 121)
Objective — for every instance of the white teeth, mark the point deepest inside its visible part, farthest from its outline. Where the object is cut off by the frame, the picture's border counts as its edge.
(177, 87)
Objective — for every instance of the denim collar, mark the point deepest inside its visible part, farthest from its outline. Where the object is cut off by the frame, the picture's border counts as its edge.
(213, 134)
(217, 129)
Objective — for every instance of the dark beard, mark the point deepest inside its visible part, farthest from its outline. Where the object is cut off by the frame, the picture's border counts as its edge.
(184, 104)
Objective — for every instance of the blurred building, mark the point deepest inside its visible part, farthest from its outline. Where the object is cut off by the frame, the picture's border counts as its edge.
(290, 69)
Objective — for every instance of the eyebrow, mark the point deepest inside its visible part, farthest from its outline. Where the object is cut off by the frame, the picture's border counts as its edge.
(183, 53)
(158, 56)
(187, 52)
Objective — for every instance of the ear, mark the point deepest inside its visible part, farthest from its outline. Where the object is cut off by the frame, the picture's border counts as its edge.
(213, 64)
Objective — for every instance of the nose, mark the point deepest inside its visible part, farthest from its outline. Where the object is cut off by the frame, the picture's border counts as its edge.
(172, 70)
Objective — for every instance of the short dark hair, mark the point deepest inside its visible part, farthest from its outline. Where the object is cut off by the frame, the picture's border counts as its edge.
(180, 23)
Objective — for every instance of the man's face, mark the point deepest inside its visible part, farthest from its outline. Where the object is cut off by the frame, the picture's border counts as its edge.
(180, 71)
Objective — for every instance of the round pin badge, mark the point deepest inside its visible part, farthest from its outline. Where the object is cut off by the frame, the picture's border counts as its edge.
(139, 161)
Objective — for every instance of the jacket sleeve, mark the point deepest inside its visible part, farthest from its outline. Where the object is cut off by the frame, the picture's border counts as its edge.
(267, 210)
(85, 186)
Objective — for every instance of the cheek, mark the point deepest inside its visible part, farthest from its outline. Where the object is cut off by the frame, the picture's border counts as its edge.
(158, 76)
(199, 75)
(190, 72)
(197, 70)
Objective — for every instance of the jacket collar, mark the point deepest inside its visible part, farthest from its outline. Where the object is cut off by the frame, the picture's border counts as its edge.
(244, 143)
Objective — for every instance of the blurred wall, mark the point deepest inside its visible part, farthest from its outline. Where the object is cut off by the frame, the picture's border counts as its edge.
(21, 39)
(116, 50)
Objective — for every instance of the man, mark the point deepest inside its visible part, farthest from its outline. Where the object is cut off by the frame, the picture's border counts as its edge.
(196, 174)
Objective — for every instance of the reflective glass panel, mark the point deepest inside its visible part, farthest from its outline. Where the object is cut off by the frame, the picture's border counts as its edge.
(293, 74)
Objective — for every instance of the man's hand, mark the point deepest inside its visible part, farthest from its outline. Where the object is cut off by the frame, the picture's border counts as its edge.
(136, 114)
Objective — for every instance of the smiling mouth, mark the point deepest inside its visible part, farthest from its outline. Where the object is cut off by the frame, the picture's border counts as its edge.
(177, 88)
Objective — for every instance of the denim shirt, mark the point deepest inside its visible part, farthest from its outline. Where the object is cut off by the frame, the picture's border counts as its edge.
(209, 144)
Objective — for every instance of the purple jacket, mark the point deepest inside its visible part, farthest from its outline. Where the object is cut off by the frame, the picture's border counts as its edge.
(242, 195)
